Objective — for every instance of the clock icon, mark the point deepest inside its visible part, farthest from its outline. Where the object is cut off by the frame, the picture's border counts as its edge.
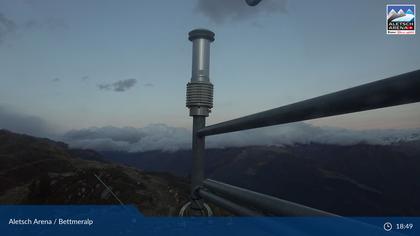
(387, 226)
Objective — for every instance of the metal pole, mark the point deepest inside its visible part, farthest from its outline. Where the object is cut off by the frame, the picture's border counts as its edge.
(198, 145)
(226, 204)
(199, 101)
(265, 203)
(397, 90)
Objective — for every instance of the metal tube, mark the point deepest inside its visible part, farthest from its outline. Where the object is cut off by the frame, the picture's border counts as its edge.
(397, 90)
(226, 204)
(198, 145)
(263, 202)
(201, 60)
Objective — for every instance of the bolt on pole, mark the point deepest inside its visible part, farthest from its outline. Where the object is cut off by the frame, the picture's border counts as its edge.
(199, 99)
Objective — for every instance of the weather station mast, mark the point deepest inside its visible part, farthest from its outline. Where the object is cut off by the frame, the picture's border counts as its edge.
(199, 100)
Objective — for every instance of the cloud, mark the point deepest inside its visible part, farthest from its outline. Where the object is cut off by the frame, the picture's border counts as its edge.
(148, 85)
(85, 78)
(55, 80)
(23, 123)
(119, 86)
(7, 26)
(166, 138)
(221, 11)
(303, 133)
(151, 137)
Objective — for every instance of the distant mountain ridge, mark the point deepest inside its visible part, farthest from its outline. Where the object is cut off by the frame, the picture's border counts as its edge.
(357, 180)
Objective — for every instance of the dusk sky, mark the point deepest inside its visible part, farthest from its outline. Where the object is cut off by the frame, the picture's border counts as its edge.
(77, 64)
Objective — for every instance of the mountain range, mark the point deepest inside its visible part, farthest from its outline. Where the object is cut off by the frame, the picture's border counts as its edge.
(352, 180)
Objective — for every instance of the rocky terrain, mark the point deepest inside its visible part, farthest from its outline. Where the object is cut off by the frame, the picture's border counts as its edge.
(41, 171)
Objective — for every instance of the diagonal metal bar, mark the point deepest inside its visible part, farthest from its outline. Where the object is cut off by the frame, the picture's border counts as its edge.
(260, 201)
(397, 90)
(226, 204)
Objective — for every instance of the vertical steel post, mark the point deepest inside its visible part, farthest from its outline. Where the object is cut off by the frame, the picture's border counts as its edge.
(199, 101)
(198, 146)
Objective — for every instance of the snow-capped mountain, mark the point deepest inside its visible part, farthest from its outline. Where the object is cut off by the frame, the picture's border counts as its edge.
(392, 13)
(401, 12)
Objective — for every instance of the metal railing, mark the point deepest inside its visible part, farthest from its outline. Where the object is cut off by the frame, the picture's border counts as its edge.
(397, 90)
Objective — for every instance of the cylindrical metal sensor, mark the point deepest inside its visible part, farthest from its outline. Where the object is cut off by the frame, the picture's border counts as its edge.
(200, 90)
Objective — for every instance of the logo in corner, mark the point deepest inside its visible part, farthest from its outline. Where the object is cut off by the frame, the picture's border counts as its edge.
(401, 19)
